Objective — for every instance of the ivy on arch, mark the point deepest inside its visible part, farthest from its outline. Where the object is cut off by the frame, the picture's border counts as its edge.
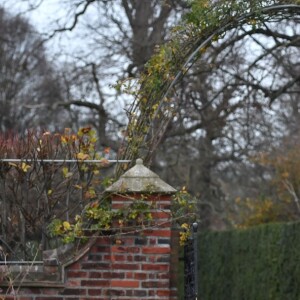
(207, 21)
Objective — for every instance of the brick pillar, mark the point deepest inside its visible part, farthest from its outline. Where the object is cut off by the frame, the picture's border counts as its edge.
(146, 255)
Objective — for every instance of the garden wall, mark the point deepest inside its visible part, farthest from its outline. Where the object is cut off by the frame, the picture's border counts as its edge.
(127, 264)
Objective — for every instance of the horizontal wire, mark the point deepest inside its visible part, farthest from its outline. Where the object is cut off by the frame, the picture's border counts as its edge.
(21, 262)
(66, 160)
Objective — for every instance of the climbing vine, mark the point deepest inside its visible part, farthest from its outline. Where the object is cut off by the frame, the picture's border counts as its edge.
(98, 218)
(206, 22)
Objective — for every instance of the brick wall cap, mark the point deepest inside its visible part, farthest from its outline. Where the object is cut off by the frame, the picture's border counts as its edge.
(140, 179)
(37, 275)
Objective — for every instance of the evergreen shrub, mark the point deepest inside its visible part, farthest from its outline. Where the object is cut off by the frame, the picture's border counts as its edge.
(259, 263)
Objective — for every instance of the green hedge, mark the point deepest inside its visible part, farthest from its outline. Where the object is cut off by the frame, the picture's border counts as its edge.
(261, 263)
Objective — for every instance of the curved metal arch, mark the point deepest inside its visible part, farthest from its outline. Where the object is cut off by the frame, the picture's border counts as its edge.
(203, 41)
(202, 44)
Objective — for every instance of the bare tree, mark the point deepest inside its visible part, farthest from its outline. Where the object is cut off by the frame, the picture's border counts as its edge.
(229, 109)
(117, 39)
(27, 79)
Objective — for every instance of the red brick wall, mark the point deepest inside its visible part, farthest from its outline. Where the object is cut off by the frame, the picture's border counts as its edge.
(138, 264)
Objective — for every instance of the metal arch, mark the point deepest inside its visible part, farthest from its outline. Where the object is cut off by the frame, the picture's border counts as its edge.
(241, 20)
(191, 59)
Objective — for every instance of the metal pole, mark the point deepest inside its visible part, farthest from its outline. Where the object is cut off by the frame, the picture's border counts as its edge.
(65, 160)
(195, 241)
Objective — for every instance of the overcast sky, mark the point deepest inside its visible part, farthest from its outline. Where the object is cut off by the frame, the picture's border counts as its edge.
(40, 13)
(48, 15)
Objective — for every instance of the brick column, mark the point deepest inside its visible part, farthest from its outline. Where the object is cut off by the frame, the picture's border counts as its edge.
(145, 255)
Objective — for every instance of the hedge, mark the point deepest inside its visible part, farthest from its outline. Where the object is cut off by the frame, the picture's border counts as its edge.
(261, 263)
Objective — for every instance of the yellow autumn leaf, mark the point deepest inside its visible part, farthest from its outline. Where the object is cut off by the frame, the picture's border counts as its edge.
(90, 194)
(183, 190)
(49, 192)
(25, 167)
(78, 218)
(252, 22)
(12, 164)
(185, 226)
(66, 225)
(66, 172)
(64, 139)
(77, 186)
(82, 156)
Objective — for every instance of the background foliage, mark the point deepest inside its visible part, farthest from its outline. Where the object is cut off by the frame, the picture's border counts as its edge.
(278, 195)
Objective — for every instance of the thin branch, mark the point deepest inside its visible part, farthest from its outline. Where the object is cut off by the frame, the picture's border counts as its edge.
(98, 88)
(75, 20)
(291, 190)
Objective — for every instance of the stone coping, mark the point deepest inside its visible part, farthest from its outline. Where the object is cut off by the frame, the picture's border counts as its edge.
(47, 273)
